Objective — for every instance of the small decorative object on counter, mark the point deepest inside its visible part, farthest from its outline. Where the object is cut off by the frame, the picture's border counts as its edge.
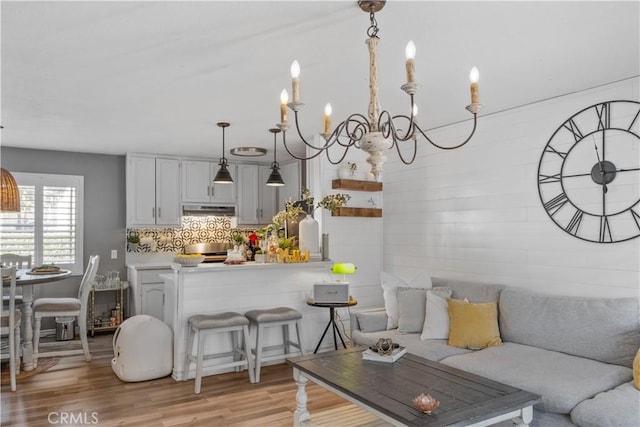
(189, 260)
(234, 256)
(426, 403)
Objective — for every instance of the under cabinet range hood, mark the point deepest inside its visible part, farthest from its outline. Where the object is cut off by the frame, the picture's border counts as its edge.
(204, 210)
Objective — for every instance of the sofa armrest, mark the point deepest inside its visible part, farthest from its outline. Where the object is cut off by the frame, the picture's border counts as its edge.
(373, 320)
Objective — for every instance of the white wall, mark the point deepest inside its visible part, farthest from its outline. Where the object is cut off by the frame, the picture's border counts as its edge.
(475, 214)
(351, 239)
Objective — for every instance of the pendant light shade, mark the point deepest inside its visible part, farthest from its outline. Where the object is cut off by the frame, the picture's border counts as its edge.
(275, 179)
(223, 176)
(10, 195)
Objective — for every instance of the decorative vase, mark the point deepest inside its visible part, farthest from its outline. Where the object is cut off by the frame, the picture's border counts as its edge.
(308, 234)
(345, 172)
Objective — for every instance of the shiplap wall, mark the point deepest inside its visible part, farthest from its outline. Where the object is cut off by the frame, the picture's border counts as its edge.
(474, 213)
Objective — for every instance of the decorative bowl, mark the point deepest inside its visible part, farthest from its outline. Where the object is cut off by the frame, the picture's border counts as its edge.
(425, 403)
(189, 261)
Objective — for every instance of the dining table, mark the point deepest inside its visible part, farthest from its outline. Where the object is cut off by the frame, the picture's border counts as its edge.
(27, 279)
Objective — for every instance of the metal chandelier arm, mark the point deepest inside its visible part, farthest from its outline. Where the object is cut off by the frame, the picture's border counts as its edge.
(442, 147)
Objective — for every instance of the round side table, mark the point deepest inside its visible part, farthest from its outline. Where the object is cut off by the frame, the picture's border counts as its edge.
(332, 320)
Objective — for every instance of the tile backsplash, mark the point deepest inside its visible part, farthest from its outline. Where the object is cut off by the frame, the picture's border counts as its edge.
(194, 230)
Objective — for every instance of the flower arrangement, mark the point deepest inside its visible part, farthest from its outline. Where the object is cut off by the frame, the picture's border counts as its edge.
(289, 213)
(238, 239)
(334, 201)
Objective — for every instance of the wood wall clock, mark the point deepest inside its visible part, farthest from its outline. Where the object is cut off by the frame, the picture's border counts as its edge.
(589, 173)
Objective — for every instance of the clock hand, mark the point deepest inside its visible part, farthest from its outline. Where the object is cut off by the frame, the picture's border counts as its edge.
(609, 172)
(604, 186)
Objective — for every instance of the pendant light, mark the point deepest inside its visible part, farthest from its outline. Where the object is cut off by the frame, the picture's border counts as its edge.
(275, 179)
(10, 195)
(223, 176)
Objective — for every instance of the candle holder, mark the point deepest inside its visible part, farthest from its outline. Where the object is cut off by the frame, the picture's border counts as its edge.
(411, 88)
(295, 106)
(474, 108)
(425, 403)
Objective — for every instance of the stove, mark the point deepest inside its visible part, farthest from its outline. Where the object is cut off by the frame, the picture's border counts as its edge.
(212, 252)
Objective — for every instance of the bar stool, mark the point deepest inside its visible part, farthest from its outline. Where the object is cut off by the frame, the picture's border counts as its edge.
(202, 325)
(279, 316)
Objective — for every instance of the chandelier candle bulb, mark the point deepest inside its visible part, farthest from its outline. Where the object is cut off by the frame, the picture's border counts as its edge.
(284, 99)
(410, 52)
(474, 76)
(295, 81)
(327, 118)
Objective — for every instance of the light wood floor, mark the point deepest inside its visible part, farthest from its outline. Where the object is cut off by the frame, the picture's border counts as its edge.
(92, 392)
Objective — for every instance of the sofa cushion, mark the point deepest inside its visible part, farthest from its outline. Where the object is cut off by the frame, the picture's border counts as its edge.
(411, 310)
(372, 321)
(390, 284)
(604, 329)
(560, 379)
(436, 320)
(473, 325)
(619, 407)
(430, 349)
(473, 291)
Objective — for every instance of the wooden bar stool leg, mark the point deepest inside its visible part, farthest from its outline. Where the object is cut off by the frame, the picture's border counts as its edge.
(247, 353)
(259, 333)
(286, 338)
(298, 334)
(199, 361)
(188, 353)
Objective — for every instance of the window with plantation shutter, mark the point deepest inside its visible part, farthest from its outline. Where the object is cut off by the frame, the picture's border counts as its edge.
(49, 225)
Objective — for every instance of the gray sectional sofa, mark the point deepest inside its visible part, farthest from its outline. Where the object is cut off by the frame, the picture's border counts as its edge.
(576, 353)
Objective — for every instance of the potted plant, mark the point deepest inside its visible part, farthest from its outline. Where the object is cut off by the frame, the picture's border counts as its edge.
(334, 201)
(134, 241)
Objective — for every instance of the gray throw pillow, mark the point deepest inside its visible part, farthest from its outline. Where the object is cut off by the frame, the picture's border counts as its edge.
(372, 322)
(411, 309)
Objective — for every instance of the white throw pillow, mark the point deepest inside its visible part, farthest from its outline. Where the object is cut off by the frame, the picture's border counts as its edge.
(436, 320)
(390, 285)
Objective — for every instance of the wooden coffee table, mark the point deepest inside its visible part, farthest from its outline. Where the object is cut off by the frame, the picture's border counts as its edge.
(387, 390)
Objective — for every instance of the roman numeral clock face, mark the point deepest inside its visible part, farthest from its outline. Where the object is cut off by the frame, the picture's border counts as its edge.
(589, 173)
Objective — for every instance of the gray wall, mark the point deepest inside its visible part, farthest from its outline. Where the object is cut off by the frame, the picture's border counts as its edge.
(104, 204)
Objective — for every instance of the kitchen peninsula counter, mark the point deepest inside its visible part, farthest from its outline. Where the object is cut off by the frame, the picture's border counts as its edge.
(215, 288)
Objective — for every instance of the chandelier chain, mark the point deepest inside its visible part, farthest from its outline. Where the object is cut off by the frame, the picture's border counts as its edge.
(372, 31)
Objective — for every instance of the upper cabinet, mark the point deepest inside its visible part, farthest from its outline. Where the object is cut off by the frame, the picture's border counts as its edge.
(153, 191)
(256, 200)
(198, 186)
(290, 173)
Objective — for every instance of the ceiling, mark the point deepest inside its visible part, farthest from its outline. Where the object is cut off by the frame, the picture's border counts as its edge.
(116, 77)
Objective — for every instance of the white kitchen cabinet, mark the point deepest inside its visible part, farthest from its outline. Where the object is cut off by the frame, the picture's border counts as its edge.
(256, 200)
(147, 290)
(290, 173)
(198, 186)
(152, 300)
(153, 191)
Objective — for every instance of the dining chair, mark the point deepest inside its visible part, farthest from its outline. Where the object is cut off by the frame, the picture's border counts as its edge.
(19, 262)
(66, 307)
(10, 326)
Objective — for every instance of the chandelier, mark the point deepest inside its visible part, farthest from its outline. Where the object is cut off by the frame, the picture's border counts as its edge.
(380, 131)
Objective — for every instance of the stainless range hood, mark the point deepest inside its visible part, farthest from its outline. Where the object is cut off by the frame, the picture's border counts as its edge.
(204, 210)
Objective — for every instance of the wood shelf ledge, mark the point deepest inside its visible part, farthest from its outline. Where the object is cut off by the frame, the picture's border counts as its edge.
(363, 212)
(356, 185)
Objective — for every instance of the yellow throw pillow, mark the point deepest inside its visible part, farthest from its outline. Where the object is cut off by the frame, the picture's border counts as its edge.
(473, 326)
(636, 370)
